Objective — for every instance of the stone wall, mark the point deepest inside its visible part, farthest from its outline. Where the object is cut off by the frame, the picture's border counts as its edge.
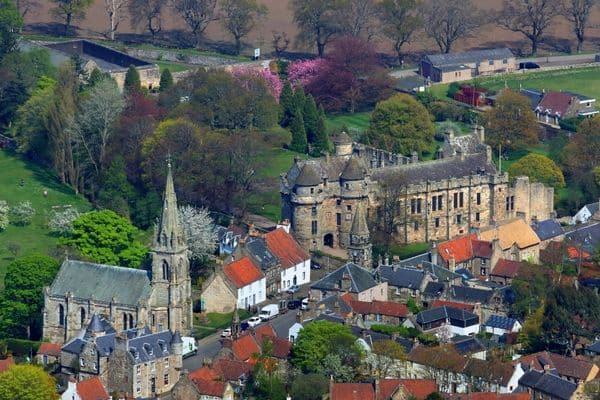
(217, 295)
(149, 77)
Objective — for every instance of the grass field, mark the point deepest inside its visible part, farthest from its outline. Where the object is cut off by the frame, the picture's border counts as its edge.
(34, 237)
(173, 67)
(356, 123)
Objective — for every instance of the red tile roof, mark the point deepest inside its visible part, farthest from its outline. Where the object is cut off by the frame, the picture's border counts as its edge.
(264, 331)
(386, 308)
(455, 304)
(566, 366)
(352, 391)
(244, 347)
(460, 248)
(488, 396)
(281, 347)
(92, 389)
(232, 370)
(6, 364)
(419, 388)
(573, 253)
(204, 373)
(506, 268)
(49, 349)
(210, 387)
(285, 248)
(555, 102)
(242, 272)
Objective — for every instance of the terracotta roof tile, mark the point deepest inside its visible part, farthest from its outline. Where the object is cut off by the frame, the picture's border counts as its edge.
(488, 396)
(244, 347)
(419, 388)
(386, 308)
(264, 331)
(566, 366)
(555, 102)
(443, 357)
(242, 272)
(455, 304)
(231, 370)
(285, 248)
(513, 232)
(49, 349)
(352, 391)
(92, 389)
(210, 387)
(460, 248)
(6, 364)
(506, 268)
(481, 248)
(204, 373)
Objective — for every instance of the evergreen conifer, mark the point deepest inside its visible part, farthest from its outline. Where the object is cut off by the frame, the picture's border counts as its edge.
(166, 80)
(298, 133)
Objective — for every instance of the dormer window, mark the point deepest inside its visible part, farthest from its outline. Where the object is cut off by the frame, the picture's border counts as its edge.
(312, 190)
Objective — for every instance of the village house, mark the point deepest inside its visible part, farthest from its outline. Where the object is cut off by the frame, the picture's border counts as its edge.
(256, 248)
(505, 271)
(89, 389)
(517, 240)
(350, 278)
(572, 369)
(48, 353)
(383, 389)
(376, 312)
(555, 106)
(542, 385)
(464, 66)
(293, 259)
(586, 213)
(458, 322)
(501, 325)
(488, 396)
(403, 282)
(547, 231)
(476, 256)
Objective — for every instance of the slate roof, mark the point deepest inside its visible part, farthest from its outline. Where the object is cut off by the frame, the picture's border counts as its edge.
(445, 312)
(285, 248)
(500, 322)
(360, 279)
(433, 289)
(593, 207)
(534, 96)
(102, 282)
(470, 295)
(506, 268)
(564, 366)
(417, 260)
(98, 324)
(261, 254)
(594, 347)
(488, 396)
(549, 384)
(410, 278)
(355, 170)
(149, 347)
(467, 345)
(308, 176)
(512, 232)
(472, 56)
(242, 272)
(75, 346)
(92, 389)
(548, 228)
(372, 337)
(588, 236)
(329, 303)
(441, 273)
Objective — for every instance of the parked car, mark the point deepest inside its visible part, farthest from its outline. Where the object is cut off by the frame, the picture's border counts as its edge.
(226, 332)
(314, 265)
(294, 304)
(293, 289)
(304, 303)
(268, 312)
(244, 326)
(528, 65)
(252, 322)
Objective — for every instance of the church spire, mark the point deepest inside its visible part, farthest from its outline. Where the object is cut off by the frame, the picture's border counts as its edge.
(169, 233)
(359, 223)
(359, 246)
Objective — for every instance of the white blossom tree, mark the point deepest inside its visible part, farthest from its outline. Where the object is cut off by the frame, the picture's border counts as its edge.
(61, 222)
(4, 210)
(199, 231)
(22, 213)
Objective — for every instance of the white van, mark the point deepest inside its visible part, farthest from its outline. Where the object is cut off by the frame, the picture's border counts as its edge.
(189, 346)
(268, 312)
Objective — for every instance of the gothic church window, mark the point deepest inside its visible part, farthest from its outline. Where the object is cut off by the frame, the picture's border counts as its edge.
(165, 270)
(82, 316)
(61, 315)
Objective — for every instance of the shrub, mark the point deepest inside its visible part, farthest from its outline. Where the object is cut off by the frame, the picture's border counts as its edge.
(270, 78)
(571, 124)
(22, 213)
(452, 89)
(303, 72)
(61, 222)
(4, 211)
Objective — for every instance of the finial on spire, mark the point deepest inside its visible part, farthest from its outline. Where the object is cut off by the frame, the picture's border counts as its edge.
(169, 160)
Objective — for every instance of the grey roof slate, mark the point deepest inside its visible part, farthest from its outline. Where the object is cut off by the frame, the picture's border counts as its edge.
(372, 337)
(547, 229)
(588, 236)
(467, 345)
(500, 322)
(355, 170)
(549, 384)
(468, 56)
(410, 278)
(470, 295)
(359, 222)
(98, 324)
(261, 254)
(446, 312)
(150, 347)
(308, 176)
(433, 289)
(441, 273)
(594, 347)
(534, 96)
(100, 282)
(75, 346)
(416, 260)
(593, 207)
(360, 279)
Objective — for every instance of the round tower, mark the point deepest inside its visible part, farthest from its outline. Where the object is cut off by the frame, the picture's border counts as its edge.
(343, 144)
(306, 201)
(177, 348)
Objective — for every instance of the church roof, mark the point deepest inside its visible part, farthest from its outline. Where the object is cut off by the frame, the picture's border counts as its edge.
(100, 282)
(359, 223)
(308, 176)
(355, 170)
(95, 324)
(169, 232)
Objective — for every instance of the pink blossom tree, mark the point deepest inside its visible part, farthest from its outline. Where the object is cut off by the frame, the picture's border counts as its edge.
(271, 80)
(303, 72)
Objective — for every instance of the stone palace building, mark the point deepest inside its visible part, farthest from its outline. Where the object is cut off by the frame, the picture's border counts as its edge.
(431, 200)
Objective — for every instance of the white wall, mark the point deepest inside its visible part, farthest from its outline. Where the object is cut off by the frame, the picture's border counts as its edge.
(513, 382)
(581, 217)
(70, 393)
(252, 294)
(293, 331)
(301, 271)
(469, 330)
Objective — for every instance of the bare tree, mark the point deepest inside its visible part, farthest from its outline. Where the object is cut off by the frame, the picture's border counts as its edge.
(147, 13)
(528, 17)
(578, 13)
(391, 209)
(25, 6)
(399, 22)
(240, 17)
(115, 16)
(70, 10)
(451, 20)
(280, 42)
(318, 21)
(197, 14)
(359, 18)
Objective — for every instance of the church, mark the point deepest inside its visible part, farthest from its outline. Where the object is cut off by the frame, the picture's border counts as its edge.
(128, 298)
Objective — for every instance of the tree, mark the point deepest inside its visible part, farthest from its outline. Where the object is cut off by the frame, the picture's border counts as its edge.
(61, 221)
(106, 238)
(22, 213)
(298, 133)
(70, 10)
(318, 21)
(166, 80)
(23, 298)
(390, 216)
(531, 18)
(197, 14)
(359, 18)
(321, 143)
(114, 9)
(578, 13)
(385, 357)
(286, 101)
(399, 21)
(24, 6)
(147, 13)
(581, 155)
(11, 23)
(309, 387)
(324, 346)
(448, 21)
(27, 382)
(132, 81)
(116, 193)
(198, 228)
(240, 17)
(4, 215)
(538, 168)
(402, 125)
(511, 123)
(311, 118)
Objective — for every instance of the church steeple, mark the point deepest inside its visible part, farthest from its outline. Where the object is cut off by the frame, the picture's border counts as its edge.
(169, 234)
(359, 247)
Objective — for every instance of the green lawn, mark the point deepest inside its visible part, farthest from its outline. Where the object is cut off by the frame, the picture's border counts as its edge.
(173, 67)
(34, 237)
(358, 122)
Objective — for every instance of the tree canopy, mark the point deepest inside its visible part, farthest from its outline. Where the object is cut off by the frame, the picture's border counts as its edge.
(27, 382)
(402, 125)
(10, 25)
(538, 168)
(107, 238)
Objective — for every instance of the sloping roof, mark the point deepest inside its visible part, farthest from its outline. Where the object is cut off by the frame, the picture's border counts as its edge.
(488, 396)
(92, 389)
(359, 222)
(6, 364)
(261, 254)
(549, 384)
(417, 260)
(534, 96)
(460, 249)
(472, 56)
(441, 273)
(467, 345)
(419, 388)
(386, 308)
(242, 272)
(513, 232)
(102, 282)
(506, 268)
(594, 347)
(285, 248)
(410, 278)
(565, 366)
(454, 304)
(308, 176)
(433, 289)
(500, 322)
(75, 346)
(548, 228)
(588, 236)
(444, 357)
(469, 294)
(352, 391)
(490, 371)
(360, 279)
(355, 170)
(444, 312)
(210, 387)
(49, 349)
(244, 347)
(232, 370)
(204, 373)
(555, 103)
(593, 207)
(342, 138)
(150, 346)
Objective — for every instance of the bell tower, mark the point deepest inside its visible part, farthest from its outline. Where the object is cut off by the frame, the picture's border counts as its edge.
(359, 245)
(171, 299)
